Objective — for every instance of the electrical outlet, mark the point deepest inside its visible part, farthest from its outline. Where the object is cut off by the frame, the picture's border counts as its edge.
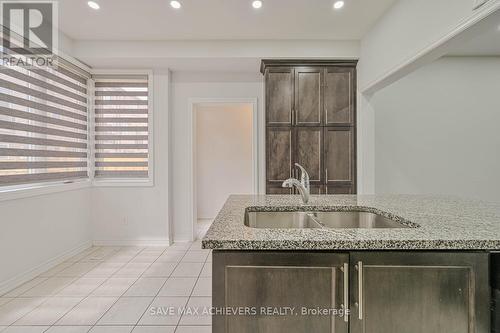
(478, 3)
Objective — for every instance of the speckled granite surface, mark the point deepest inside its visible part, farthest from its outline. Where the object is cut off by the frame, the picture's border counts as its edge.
(443, 223)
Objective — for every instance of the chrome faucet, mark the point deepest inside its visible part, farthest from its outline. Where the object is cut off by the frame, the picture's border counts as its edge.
(303, 185)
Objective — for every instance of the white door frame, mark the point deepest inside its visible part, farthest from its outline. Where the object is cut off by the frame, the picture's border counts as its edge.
(192, 206)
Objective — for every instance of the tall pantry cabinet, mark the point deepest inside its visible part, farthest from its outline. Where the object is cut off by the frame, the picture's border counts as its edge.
(311, 120)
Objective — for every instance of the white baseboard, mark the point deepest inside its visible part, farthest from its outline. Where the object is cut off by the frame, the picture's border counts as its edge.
(133, 242)
(18, 280)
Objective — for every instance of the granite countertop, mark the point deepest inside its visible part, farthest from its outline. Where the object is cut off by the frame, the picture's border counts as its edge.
(444, 223)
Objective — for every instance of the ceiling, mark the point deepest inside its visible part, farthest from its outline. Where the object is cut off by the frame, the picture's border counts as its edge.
(219, 19)
(485, 41)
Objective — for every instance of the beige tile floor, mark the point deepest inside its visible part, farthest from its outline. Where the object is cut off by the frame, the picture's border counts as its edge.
(116, 290)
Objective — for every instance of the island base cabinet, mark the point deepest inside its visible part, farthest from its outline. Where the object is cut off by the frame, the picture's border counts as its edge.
(495, 292)
(419, 292)
(264, 287)
(386, 292)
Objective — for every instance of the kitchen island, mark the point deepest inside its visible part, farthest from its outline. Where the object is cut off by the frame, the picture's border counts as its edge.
(431, 274)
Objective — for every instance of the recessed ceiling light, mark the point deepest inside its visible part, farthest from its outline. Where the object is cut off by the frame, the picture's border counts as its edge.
(338, 4)
(257, 4)
(93, 5)
(175, 4)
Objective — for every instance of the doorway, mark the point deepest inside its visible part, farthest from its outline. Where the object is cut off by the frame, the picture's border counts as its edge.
(224, 157)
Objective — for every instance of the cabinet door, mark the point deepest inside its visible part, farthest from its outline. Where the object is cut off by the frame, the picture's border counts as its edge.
(279, 280)
(308, 152)
(317, 189)
(339, 156)
(308, 96)
(279, 96)
(340, 96)
(278, 190)
(419, 292)
(332, 189)
(279, 155)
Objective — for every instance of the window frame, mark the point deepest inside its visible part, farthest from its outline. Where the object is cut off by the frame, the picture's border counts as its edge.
(123, 182)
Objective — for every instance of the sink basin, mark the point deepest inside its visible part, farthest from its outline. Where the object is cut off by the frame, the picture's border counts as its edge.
(280, 220)
(333, 220)
(362, 220)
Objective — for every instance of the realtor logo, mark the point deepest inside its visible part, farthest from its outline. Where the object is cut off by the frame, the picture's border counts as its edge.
(29, 28)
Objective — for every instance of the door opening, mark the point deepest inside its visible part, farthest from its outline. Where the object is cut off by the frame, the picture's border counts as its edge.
(223, 158)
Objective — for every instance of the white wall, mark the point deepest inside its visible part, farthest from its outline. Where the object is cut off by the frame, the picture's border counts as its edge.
(223, 154)
(37, 231)
(184, 89)
(409, 28)
(139, 215)
(436, 131)
(411, 34)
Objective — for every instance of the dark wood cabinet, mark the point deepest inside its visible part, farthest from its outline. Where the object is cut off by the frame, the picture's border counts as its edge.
(385, 291)
(311, 120)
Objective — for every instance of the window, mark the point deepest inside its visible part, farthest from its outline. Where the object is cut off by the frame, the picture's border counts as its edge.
(43, 124)
(122, 133)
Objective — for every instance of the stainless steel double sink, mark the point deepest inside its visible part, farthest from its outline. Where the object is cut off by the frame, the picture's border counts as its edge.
(331, 219)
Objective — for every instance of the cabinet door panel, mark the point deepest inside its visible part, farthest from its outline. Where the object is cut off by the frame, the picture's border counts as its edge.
(308, 151)
(339, 155)
(308, 96)
(279, 280)
(279, 96)
(339, 96)
(279, 154)
(419, 292)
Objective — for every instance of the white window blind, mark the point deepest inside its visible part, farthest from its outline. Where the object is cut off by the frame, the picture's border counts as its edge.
(43, 123)
(121, 105)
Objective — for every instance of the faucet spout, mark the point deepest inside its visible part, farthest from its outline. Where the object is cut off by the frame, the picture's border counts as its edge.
(304, 177)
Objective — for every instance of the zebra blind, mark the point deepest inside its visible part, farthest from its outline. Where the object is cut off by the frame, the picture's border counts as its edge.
(121, 126)
(43, 123)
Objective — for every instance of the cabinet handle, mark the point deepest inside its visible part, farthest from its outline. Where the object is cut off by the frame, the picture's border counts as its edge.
(346, 291)
(326, 175)
(359, 267)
